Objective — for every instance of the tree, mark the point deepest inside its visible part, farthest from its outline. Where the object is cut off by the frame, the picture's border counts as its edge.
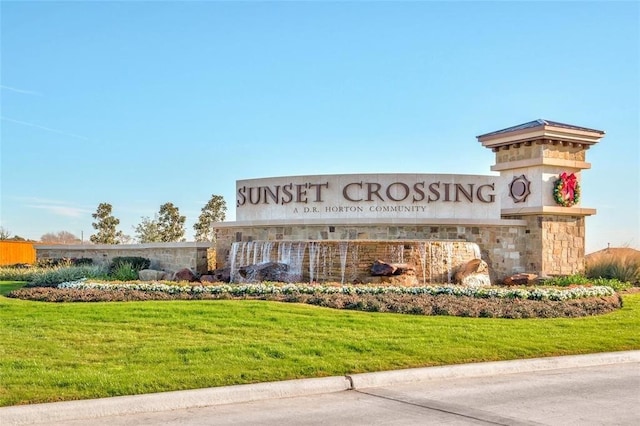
(170, 224)
(147, 231)
(125, 239)
(4, 233)
(106, 226)
(214, 211)
(62, 237)
(166, 227)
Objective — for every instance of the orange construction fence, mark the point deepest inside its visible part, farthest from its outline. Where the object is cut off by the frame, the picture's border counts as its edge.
(12, 252)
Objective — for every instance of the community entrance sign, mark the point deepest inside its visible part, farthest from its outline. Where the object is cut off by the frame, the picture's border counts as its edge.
(528, 218)
(372, 196)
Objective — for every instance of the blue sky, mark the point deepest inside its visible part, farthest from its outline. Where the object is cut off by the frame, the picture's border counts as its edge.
(141, 103)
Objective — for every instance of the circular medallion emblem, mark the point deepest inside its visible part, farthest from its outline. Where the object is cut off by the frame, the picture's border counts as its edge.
(519, 189)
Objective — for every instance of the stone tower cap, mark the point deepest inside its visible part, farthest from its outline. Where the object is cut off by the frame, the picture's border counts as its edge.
(542, 129)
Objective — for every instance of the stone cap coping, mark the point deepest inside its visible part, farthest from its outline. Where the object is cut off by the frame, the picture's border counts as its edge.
(549, 210)
(191, 244)
(372, 222)
(541, 129)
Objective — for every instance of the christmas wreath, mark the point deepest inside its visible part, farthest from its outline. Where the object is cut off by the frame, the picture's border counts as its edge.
(566, 190)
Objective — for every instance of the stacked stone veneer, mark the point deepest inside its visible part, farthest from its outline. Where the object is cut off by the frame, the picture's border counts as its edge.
(163, 256)
(504, 248)
(555, 244)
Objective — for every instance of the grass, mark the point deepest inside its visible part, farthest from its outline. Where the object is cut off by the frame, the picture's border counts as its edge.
(8, 286)
(55, 352)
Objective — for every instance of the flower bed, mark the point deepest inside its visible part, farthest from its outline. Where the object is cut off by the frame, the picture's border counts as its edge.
(426, 300)
(538, 293)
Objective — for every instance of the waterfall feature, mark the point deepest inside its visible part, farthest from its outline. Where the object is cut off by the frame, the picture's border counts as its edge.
(344, 262)
(422, 249)
(314, 260)
(344, 249)
(396, 253)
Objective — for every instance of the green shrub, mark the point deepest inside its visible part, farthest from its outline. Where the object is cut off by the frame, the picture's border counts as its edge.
(135, 262)
(614, 283)
(125, 271)
(53, 263)
(619, 268)
(18, 274)
(53, 276)
(565, 281)
(19, 266)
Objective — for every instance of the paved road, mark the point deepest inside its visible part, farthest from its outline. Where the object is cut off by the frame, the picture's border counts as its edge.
(593, 395)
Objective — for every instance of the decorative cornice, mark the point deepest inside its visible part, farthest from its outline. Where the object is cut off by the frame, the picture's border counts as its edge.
(370, 222)
(541, 132)
(544, 161)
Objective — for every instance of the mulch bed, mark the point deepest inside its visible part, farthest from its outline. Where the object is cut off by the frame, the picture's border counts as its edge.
(406, 304)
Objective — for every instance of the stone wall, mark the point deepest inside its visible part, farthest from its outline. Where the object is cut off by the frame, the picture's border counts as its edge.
(555, 244)
(504, 248)
(163, 256)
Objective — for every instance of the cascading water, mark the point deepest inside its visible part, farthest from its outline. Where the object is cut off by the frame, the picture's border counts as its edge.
(295, 262)
(355, 261)
(344, 249)
(396, 253)
(327, 262)
(422, 248)
(449, 265)
(313, 261)
(476, 252)
(232, 261)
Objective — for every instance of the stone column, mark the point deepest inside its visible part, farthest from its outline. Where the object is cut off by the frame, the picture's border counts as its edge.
(531, 158)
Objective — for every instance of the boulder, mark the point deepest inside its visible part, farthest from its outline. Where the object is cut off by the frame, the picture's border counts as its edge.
(521, 279)
(269, 271)
(222, 275)
(166, 276)
(207, 279)
(403, 269)
(383, 269)
(150, 275)
(474, 266)
(481, 279)
(185, 274)
(474, 273)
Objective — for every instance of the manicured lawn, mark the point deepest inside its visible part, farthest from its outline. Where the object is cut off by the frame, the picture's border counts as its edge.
(54, 352)
(8, 286)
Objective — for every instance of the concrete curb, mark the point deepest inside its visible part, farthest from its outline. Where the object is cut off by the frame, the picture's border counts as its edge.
(481, 369)
(167, 401)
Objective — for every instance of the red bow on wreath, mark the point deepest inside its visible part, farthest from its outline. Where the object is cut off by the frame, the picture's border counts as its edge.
(569, 183)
